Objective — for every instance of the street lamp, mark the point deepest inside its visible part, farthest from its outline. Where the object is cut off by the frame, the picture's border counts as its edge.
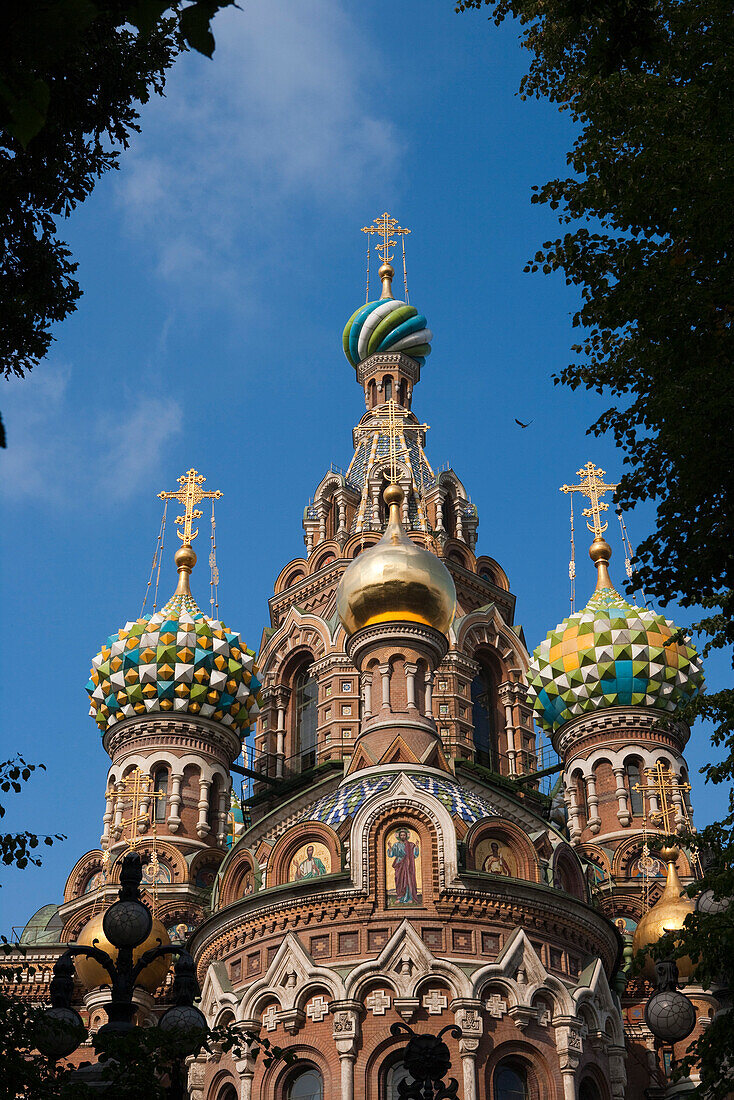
(669, 1014)
(427, 1060)
(126, 925)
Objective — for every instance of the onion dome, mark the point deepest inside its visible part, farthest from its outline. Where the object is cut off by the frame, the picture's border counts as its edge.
(386, 325)
(92, 974)
(611, 654)
(177, 660)
(396, 581)
(667, 915)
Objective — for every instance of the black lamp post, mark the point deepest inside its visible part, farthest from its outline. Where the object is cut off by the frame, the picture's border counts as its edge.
(669, 1014)
(126, 924)
(427, 1060)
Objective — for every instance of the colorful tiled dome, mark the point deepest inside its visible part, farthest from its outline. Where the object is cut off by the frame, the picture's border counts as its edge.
(386, 325)
(611, 654)
(175, 661)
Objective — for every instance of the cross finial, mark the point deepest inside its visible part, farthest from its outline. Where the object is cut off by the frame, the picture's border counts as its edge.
(189, 495)
(386, 227)
(592, 486)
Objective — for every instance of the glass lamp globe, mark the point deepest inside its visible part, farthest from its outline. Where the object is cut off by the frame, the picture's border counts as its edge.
(59, 1031)
(127, 923)
(670, 1015)
(186, 1025)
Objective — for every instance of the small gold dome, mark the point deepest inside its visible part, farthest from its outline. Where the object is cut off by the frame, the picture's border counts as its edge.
(396, 581)
(667, 915)
(92, 974)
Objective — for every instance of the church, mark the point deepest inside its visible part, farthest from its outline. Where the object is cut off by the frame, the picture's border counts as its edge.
(438, 826)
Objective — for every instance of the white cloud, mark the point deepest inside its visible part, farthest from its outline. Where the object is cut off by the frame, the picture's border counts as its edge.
(287, 111)
(60, 450)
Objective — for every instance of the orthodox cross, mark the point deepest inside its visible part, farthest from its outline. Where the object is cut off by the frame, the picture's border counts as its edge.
(394, 426)
(189, 495)
(385, 227)
(666, 796)
(136, 789)
(592, 486)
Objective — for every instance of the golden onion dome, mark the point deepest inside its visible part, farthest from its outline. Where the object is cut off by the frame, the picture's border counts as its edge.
(92, 974)
(667, 915)
(396, 581)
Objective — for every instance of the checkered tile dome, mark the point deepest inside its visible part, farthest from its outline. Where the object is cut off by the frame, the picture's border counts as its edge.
(175, 661)
(611, 654)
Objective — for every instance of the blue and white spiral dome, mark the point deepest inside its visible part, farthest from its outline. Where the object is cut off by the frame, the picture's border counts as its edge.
(386, 325)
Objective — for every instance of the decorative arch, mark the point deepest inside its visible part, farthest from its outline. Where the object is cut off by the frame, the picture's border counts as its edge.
(493, 572)
(324, 554)
(567, 873)
(299, 837)
(540, 1080)
(483, 834)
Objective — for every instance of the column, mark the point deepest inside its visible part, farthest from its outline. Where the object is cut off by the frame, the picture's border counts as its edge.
(569, 1083)
(469, 1021)
(117, 827)
(342, 516)
(222, 818)
(282, 695)
(507, 696)
(366, 684)
(143, 820)
(322, 521)
(376, 506)
(107, 818)
(573, 813)
(623, 813)
(202, 825)
(346, 1063)
(385, 673)
(174, 802)
(592, 798)
(458, 504)
(677, 799)
(346, 1029)
(439, 515)
(429, 694)
(410, 674)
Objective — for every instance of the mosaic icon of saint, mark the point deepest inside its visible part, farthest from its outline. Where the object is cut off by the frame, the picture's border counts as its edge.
(403, 852)
(495, 863)
(310, 867)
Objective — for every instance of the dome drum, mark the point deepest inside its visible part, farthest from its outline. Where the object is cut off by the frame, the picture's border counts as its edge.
(424, 640)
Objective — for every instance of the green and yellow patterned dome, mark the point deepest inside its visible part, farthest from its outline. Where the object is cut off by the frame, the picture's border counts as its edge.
(176, 661)
(611, 654)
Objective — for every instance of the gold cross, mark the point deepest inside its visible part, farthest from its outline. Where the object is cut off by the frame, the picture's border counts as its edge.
(394, 427)
(189, 495)
(592, 486)
(662, 784)
(135, 788)
(386, 227)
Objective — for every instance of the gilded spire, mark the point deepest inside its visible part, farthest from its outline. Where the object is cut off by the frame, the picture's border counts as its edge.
(593, 486)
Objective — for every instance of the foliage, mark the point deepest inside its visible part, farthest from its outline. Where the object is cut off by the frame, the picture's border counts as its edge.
(72, 75)
(649, 206)
(17, 849)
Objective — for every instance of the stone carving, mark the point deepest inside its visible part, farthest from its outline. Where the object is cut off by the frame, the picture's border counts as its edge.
(496, 1006)
(317, 1009)
(378, 1002)
(435, 1002)
(269, 1018)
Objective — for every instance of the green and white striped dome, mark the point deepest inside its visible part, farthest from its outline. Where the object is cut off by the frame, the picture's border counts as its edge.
(386, 325)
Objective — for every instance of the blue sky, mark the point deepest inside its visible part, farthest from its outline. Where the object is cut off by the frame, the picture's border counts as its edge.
(219, 266)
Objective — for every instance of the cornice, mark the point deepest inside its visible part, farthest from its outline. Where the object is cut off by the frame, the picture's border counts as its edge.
(187, 730)
(619, 720)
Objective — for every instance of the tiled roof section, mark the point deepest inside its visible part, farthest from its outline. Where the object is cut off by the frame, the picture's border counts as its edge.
(334, 808)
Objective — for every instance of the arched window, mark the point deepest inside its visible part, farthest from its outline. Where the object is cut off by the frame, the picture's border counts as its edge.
(373, 393)
(228, 1092)
(482, 724)
(484, 704)
(449, 515)
(510, 1082)
(306, 1085)
(401, 392)
(633, 778)
(395, 1075)
(582, 796)
(589, 1090)
(387, 387)
(306, 692)
(160, 787)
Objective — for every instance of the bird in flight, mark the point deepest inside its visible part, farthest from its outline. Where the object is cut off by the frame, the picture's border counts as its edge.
(520, 423)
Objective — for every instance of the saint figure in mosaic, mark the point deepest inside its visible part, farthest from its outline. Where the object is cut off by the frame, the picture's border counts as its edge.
(403, 851)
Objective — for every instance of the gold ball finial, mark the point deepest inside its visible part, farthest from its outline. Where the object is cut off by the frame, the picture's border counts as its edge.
(667, 915)
(185, 558)
(600, 552)
(387, 274)
(669, 853)
(393, 494)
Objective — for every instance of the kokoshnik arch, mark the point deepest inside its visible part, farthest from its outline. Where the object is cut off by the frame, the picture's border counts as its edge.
(398, 857)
